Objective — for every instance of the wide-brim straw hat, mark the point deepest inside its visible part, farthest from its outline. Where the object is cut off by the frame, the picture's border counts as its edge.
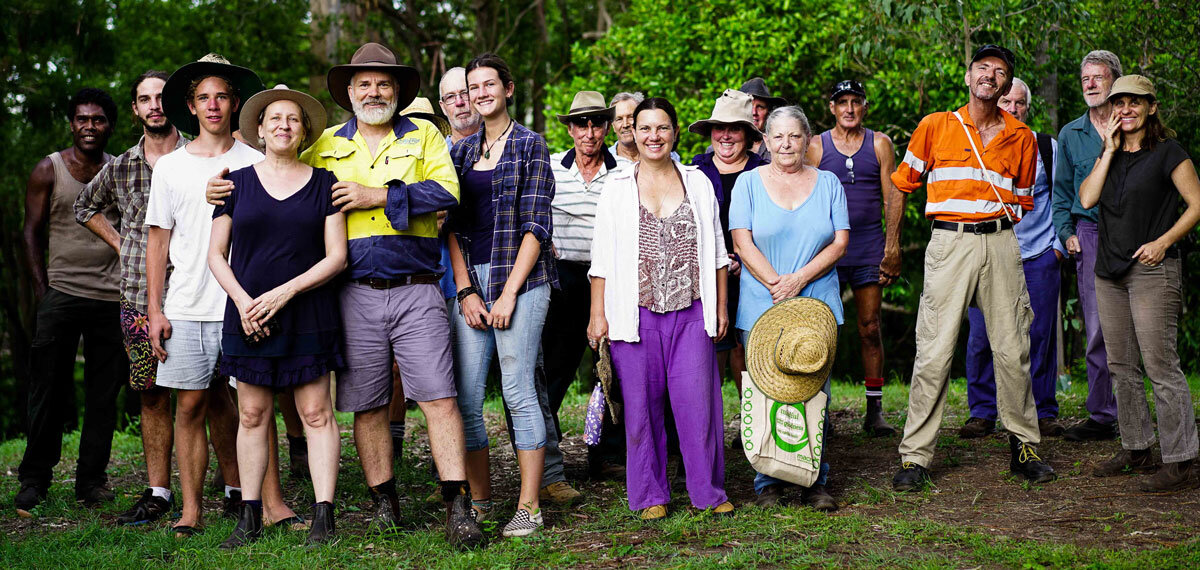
(421, 108)
(757, 88)
(373, 57)
(1132, 85)
(174, 96)
(588, 104)
(732, 108)
(790, 349)
(248, 123)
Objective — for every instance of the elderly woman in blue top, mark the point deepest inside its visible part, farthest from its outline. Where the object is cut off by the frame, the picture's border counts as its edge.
(503, 268)
(790, 225)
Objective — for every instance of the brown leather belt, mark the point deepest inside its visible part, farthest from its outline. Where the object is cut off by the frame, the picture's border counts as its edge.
(380, 283)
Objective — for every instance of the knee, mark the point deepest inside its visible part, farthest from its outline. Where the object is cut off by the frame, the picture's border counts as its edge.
(156, 401)
(191, 410)
(316, 416)
(252, 416)
(870, 331)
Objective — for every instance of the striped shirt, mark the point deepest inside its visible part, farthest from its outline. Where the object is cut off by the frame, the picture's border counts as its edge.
(958, 190)
(522, 191)
(574, 206)
(126, 182)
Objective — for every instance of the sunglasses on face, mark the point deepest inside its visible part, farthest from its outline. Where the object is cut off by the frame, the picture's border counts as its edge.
(583, 122)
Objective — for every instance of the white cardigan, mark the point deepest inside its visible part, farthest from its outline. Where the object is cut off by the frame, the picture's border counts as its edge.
(615, 248)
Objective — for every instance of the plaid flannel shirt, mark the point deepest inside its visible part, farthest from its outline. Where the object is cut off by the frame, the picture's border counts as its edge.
(522, 190)
(126, 182)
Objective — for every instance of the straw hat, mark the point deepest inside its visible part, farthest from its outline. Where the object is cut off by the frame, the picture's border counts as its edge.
(588, 104)
(174, 95)
(421, 108)
(248, 123)
(790, 350)
(733, 107)
(373, 57)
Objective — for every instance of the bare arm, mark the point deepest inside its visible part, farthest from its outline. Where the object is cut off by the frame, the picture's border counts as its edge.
(722, 304)
(93, 199)
(99, 225)
(157, 242)
(37, 214)
(1089, 190)
(269, 304)
(792, 284)
(1186, 181)
(893, 199)
(598, 323)
(218, 254)
(813, 156)
(753, 259)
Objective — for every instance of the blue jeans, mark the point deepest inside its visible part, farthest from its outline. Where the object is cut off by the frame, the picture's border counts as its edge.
(763, 481)
(517, 347)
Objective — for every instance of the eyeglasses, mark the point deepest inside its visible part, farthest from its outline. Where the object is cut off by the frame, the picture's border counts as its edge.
(850, 168)
(449, 98)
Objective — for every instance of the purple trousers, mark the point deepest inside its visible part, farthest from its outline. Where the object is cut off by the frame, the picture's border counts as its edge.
(674, 362)
(1043, 281)
(1101, 402)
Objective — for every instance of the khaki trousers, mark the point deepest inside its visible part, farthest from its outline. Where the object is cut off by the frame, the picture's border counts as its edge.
(963, 269)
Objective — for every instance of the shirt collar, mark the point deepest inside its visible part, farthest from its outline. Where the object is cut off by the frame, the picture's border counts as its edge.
(1011, 124)
(610, 161)
(401, 125)
(138, 150)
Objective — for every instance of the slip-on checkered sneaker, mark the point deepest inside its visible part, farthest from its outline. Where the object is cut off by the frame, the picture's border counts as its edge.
(524, 523)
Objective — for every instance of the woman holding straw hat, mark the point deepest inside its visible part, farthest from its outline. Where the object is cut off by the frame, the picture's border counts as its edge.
(790, 225)
(282, 325)
(659, 294)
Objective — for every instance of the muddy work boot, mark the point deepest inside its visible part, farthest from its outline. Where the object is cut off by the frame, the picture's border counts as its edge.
(1126, 461)
(976, 428)
(385, 517)
(818, 498)
(873, 422)
(1171, 477)
(461, 528)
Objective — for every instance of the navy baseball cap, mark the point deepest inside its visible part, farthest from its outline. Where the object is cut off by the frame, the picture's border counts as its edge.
(848, 86)
(993, 50)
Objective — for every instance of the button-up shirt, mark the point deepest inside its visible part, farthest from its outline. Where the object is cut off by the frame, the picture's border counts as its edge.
(1035, 233)
(522, 191)
(126, 182)
(574, 205)
(959, 188)
(401, 237)
(1079, 147)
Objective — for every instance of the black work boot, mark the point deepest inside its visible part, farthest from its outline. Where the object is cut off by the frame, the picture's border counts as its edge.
(873, 422)
(1172, 477)
(249, 526)
(1025, 461)
(1126, 461)
(298, 457)
(387, 507)
(28, 498)
(461, 529)
(322, 524)
(910, 477)
(819, 498)
(1091, 430)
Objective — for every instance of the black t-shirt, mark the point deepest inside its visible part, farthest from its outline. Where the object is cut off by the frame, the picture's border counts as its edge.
(1138, 204)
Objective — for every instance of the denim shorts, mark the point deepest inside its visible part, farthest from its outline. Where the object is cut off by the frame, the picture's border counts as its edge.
(858, 275)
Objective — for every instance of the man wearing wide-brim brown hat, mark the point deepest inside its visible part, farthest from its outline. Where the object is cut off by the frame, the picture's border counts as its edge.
(394, 176)
(579, 177)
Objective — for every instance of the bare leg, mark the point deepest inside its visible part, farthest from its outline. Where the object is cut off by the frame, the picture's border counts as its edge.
(191, 450)
(291, 419)
(252, 438)
(223, 429)
(374, 443)
(274, 507)
(532, 462)
(157, 433)
(737, 365)
(867, 299)
(324, 442)
(446, 440)
(479, 474)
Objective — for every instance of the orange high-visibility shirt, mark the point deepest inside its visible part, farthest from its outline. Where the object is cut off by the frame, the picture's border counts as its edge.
(957, 188)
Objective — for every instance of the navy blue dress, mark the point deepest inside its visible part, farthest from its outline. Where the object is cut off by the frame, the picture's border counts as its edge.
(273, 241)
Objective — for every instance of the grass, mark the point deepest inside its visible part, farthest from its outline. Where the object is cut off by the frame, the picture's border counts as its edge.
(875, 528)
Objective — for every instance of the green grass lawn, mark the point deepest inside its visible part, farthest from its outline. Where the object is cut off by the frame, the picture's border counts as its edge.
(874, 527)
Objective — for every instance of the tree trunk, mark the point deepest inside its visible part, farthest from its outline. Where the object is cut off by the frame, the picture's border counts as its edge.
(1048, 87)
(539, 70)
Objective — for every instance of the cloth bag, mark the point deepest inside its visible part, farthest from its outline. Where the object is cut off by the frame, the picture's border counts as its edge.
(593, 422)
(783, 440)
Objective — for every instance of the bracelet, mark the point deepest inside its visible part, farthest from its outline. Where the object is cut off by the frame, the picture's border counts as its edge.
(467, 292)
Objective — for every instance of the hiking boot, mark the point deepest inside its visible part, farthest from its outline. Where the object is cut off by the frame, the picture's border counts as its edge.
(976, 428)
(298, 458)
(322, 527)
(1050, 427)
(231, 505)
(147, 509)
(560, 493)
(1025, 461)
(1172, 477)
(249, 527)
(769, 497)
(910, 477)
(94, 495)
(27, 499)
(653, 513)
(1126, 461)
(524, 523)
(462, 530)
(818, 498)
(1091, 430)
(386, 515)
(873, 422)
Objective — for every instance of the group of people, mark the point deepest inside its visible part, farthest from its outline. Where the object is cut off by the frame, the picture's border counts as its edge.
(400, 255)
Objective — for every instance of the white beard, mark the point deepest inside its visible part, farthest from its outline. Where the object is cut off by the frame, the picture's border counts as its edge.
(374, 116)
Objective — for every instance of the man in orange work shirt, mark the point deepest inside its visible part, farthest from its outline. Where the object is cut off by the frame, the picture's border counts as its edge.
(979, 166)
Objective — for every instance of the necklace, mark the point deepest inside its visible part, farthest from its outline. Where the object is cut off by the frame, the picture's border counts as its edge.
(487, 148)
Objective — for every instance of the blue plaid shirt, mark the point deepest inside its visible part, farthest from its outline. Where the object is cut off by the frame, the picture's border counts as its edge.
(522, 190)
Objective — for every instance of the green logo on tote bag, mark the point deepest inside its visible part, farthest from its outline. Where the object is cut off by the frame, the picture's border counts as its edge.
(789, 427)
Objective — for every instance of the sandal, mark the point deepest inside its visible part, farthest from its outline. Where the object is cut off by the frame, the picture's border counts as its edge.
(294, 522)
(184, 531)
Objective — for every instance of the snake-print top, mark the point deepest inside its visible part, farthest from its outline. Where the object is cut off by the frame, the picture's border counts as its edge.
(668, 261)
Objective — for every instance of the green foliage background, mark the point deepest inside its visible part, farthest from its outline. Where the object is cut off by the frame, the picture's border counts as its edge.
(909, 54)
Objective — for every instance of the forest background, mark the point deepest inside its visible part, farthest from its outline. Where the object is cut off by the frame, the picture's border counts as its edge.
(910, 55)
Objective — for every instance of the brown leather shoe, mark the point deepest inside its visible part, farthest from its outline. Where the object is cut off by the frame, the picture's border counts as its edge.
(976, 428)
(1126, 461)
(1050, 427)
(1172, 477)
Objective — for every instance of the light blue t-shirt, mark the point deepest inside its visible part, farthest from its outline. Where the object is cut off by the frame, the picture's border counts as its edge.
(788, 238)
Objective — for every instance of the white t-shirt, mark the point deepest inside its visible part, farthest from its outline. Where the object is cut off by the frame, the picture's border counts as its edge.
(177, 203)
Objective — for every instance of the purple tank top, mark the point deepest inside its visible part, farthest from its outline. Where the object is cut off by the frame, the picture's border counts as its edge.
(864, 198)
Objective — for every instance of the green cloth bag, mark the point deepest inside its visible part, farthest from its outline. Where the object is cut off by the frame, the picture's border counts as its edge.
(783, 440)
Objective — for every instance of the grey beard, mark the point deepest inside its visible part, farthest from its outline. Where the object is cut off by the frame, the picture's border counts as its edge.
(372, 116)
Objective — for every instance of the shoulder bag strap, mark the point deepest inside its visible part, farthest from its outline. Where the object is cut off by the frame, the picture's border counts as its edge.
(984, 168)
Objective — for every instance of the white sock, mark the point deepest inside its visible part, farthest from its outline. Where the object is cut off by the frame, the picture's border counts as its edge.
(161, 492)
(229, 488)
